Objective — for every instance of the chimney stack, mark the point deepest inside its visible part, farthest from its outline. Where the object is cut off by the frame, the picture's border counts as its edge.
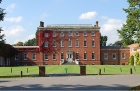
(41, 24)
(96, 23)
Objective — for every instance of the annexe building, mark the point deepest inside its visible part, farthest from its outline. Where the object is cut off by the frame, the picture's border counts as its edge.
(79, 43)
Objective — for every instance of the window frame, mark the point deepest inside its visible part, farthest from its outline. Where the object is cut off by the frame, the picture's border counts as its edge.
(92, 33)
(54, 56)
(45, 56)
(77, 34)
(25, 57)
(85, 56)
(92, 43)
(123, 56)
(92, 56)
(46, 34)
(46, 44)
(62, 34)
(115, 56)
(77, 43)
(33, 56)
(85, 43)
(106, 57)
(62, 56)
(77, 56)
(85, 34)
(16, 57)
(69, 41)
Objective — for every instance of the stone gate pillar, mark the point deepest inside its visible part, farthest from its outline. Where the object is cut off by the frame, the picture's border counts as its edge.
(41, 71)
(82, 69)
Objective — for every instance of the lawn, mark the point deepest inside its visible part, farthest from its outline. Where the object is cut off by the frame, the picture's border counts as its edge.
(60, 69)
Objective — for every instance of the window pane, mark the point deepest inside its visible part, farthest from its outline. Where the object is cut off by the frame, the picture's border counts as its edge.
(93, 44)
(62, 55)
(85, 55)
(93, 56)
(46, 56)
(85, 43)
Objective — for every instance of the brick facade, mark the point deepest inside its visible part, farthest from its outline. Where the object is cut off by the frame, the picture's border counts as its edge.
(86, 51)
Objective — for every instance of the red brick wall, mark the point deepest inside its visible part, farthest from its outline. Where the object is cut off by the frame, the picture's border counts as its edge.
(127, 55)
(110, 60)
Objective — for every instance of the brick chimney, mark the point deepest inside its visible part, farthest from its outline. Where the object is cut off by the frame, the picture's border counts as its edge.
(41, 24)
(96, 23)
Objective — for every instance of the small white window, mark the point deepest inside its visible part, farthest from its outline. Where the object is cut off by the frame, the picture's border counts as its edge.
(33, 56)
(77, 56)
(62, 34)
(105, 56)
(114, 55)
(62, 43)
(46, 43)
(85, 33)
(77, 34)
(93, 56)
(85, 43)
(69, 34)
(93, 43)
(46, 56)
(54, 56)
(46, 34)
(54, 34)
(92, 34)
(77, 43)
(85, 56)
(69, 43)
(123, 55)
(54, 43)
(62, 55)
(25, 56)
(16, 57)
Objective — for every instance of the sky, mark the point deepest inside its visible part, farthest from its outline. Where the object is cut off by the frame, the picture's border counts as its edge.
(24, 16)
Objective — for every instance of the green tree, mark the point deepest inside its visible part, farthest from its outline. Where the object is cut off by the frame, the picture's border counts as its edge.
(19, 44)
(2, 14)
(137, 58)
(131, 60)
(130, 32)
(30, 42)
(103, 40)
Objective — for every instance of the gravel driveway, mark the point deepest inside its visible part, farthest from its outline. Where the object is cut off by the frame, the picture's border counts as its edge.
(98, 82)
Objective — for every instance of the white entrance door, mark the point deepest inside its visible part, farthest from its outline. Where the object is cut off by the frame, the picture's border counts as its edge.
(70, 57)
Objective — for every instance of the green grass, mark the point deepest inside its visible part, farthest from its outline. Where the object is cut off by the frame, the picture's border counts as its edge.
(60, 69)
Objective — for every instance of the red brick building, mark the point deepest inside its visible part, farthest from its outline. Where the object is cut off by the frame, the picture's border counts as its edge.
(72, 43)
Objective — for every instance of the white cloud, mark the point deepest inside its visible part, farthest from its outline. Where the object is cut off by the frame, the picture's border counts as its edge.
(104, 17)
(110, 27)
(10, 7)
(44, 15)
(14, 31)
(14, 19)
(88, 15)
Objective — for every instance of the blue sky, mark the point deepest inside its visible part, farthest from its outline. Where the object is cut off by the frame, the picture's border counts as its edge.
(23, 16)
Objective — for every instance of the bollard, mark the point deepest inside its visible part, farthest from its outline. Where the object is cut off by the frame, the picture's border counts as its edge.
(99, 73)
(104, 70)
(11, 70)
(135, 69)
(121, 69)
(27, 70)
(20, 73)
(131, 71)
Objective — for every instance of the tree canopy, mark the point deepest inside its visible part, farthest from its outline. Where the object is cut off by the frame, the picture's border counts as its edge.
(18, 44)
(103, 40)
(30, 42)
(130, 32)
(2, 14)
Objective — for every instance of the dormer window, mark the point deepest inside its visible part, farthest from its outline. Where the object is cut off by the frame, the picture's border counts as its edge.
(85, 33)
(62, 34)
(92, 34)
(54, 34)
(69, 34)
(46, 34)
(77, 34)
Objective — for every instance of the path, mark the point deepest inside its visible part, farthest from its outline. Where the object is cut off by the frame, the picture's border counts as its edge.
(102, 82)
